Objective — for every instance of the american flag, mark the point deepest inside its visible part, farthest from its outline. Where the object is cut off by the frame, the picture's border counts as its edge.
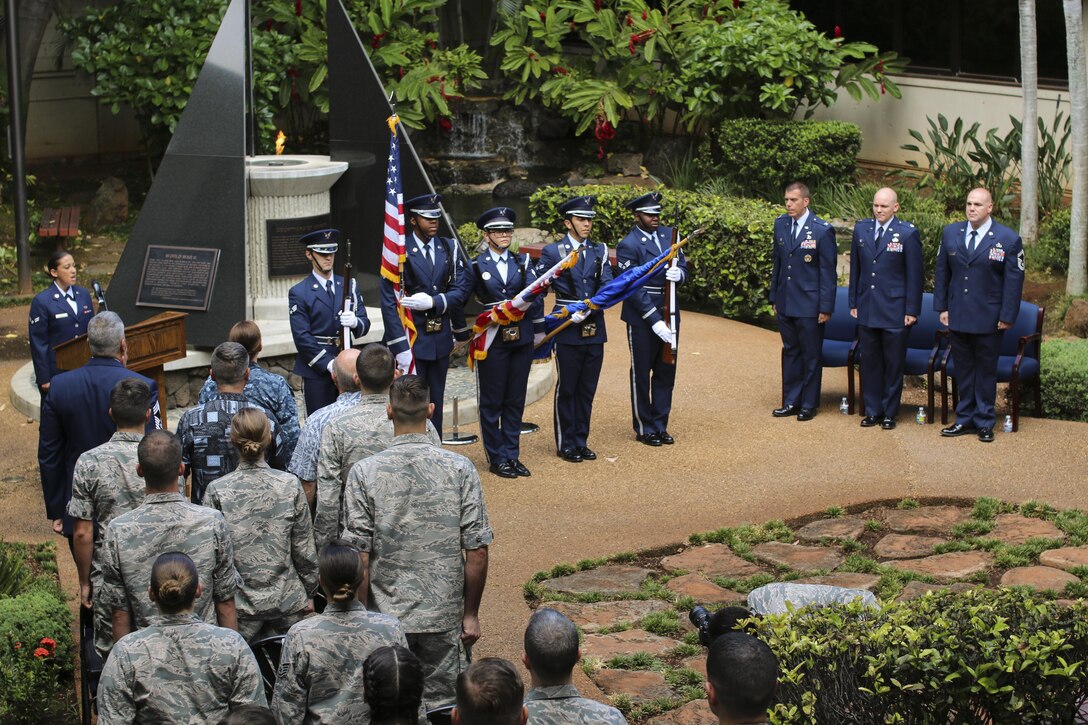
(393, 253)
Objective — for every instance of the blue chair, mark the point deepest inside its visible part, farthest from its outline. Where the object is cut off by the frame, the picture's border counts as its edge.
(840, 348)
(925, 344)
(1017, 361)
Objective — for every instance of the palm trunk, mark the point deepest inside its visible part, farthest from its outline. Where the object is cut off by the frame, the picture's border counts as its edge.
(1077, 282)
(1029, 159)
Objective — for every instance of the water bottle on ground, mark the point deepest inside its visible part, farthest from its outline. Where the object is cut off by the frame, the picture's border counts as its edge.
(844, 407)
(920, 418)
(1007, 428)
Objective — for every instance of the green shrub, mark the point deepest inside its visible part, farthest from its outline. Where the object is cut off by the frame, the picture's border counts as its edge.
(35, 654)
(1051, 252)
(1064, 379)
(976, 657)
(760, 157)
(730, 264)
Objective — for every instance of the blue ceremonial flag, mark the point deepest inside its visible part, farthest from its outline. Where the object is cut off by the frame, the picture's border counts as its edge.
(615, 291)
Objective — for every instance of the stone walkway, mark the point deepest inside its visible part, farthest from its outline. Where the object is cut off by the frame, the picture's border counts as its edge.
(642, 652)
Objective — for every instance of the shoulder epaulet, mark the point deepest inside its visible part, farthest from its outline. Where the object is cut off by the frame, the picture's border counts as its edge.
(820, 221)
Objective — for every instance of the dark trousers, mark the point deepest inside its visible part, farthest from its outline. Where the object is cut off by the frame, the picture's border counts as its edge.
(974, 359)
(318, 392)
(434, 373)
(578, 368)
(652, 381)
(883, 354)
(501, 380)
(802, 340)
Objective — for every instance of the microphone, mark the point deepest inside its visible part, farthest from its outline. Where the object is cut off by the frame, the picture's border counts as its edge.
(101, 298)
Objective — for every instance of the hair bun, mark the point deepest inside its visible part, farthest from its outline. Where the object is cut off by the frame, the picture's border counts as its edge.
(345, 593)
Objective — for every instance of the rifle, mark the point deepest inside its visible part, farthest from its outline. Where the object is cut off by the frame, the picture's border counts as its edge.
(348, 301)
(671, 311)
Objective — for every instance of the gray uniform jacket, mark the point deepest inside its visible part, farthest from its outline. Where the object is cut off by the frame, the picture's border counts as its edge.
(562, 705)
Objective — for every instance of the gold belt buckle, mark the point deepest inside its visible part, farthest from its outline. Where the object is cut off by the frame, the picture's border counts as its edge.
(511, 333)
(432, 325)
(589, 329)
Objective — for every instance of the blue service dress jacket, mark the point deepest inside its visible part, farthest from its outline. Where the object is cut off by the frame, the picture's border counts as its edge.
(315, 324)
(803, 275)
(978, 289)
(490, 289)
(75, 419)
(592, 271)
(53, 322)
(448, 281)
(885, 278)
(638, 248)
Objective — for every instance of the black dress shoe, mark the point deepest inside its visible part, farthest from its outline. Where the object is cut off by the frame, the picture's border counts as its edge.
(957, 429)
(587, 454)
(785, 411)
(869, 421)
(665, 438)
(503, 470)
(519, 468)
(806, 414)
(650, 439)
(986, 435)
(570, 455)
(888, 424)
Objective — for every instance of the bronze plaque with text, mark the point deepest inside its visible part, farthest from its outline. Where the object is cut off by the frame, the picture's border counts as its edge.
(286, 257)
(178, 278)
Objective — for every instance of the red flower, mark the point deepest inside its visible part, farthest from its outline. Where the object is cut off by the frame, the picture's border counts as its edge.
(543, 17)
(573, 26)
(41, 652)
(432, 44)
(560, 71)
(445, 124)
(597, 5)
(18, 645)
(49, 642)
(644, 15)
(376, 41)
(736, 4)
(630, 21)
(838, 31)
(298, 8)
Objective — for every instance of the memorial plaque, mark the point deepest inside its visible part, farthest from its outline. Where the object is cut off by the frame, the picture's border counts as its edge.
(286, 256)
(178, 278)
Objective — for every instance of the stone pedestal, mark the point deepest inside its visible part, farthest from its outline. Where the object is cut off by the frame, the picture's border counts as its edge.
(281, 187)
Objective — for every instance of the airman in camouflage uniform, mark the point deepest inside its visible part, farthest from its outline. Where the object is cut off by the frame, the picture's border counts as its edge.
(773, 598)
(105, 485)
(166, 522)
(415, 508)
(271, 392)
(551, 653)
(320, 680)
(267, 515)
(204, 431)
(352, 436)
(304, 460)
(178, 670)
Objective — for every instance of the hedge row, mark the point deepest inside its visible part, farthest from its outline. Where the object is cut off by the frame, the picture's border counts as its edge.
(759, 157)
(36, 648)
(1064, 379)
(730, 264)
(982, 656)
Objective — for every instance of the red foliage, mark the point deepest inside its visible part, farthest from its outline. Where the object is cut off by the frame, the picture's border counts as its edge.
(838, 31)
(445, 124)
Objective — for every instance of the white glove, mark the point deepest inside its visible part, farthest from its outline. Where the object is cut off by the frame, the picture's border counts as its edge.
(328, 368)
(418, 301)
(537, 339)
(348, 319)
(577, 317)
(673, 274)
(404, 360)
(661, 329)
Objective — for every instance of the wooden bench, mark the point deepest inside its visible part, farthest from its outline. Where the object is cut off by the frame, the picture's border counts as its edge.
(60, 223)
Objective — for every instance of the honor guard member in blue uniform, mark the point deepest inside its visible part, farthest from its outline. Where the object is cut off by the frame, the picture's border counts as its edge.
(503, 375)
(579, 349)
(803, 297)
(886, 298)
(57, 314)
(648, 330)
(979, 279)
(317, 319)
(436, 282)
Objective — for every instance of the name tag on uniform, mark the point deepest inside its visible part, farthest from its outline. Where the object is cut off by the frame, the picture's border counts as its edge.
(808, 244)
(894, 247)
(997, 255)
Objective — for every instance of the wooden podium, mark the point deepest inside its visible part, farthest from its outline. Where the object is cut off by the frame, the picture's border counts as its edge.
(151, 344)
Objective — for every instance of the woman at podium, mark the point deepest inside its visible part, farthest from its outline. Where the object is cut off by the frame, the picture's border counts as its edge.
(57, 314)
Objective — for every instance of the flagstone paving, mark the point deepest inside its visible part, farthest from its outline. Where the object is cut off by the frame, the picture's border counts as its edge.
(641, 651)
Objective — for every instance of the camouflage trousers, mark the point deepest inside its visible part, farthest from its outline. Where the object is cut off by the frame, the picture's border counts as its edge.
(255, 629)
(443, 657)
